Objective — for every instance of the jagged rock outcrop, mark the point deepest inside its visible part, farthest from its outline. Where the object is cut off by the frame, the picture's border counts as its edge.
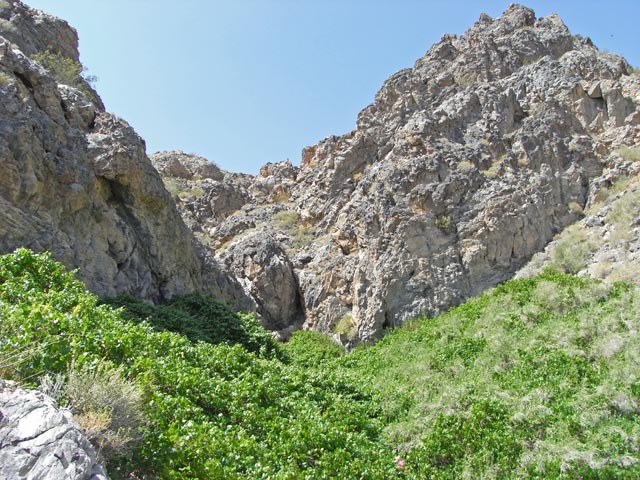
(261, 262)
(463, 167)
(220, 205)
(37, 32)
(40, 441)
(75, 180)
(606, 242)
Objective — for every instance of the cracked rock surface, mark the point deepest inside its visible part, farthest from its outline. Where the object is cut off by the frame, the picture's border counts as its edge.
(76, 181)
(462, 168)
(39, 441)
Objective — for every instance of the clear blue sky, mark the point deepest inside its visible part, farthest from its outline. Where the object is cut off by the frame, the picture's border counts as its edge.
(245, 82)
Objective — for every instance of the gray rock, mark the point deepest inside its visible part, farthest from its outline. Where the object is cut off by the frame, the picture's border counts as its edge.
(76, 181)
(35, 31)
(266, 273)
(40, 441)
(605, 243)
(182, 165)
(464, 167)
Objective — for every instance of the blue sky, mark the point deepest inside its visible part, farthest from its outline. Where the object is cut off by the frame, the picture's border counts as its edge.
(245, 82)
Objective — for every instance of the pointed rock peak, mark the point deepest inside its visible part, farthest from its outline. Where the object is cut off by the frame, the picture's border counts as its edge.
(518, 16)
(553, 20)
(484, 18)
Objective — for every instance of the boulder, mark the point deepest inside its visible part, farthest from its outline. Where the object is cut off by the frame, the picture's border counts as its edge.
(38, 440)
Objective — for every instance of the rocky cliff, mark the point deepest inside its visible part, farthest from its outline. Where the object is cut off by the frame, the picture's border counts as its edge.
(464, 167)
(75, 180)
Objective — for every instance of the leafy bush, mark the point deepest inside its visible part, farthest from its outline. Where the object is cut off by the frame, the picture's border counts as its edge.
(200, 317)
(312, 349)
(66, 71)
(211, 411)
(537, 378)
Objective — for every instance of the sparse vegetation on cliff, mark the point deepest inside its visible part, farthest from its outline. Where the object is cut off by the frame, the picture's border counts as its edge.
(66, 71)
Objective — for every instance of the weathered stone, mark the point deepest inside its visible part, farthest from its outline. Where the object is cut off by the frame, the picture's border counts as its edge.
(605, 243)
(40, 441)
(266, 273)
(76, 181)
(464, 166)
(182, 165)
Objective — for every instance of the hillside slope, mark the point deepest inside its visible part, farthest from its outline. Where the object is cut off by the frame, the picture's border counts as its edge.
(537, 378)
(605, 243)
(76, 181)
(464, 167)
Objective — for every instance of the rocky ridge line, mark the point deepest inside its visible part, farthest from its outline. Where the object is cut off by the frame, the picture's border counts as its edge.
(465, 166)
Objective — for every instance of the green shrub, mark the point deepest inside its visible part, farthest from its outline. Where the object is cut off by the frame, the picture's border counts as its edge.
(107, 406)
(465, 165)
(536, 378)
(623, 216)
(573, 250)
(210, 411)
(346, 328)
(467, 79)
(66, 71)
(5, 79)
(287, 219)
(312, 349)
(513, 384)
(478, 438)
(200, 317)
(445, 223)
(301, 234)
(631, 154)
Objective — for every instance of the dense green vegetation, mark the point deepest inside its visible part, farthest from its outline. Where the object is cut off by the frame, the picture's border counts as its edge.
(200, 318)
(538, 378)
(209, 411)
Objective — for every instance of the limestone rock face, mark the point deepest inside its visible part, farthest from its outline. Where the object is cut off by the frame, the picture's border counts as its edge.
(462, 168)
(605, 243)
(262, 264)
(76, 181)
(40, 441)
